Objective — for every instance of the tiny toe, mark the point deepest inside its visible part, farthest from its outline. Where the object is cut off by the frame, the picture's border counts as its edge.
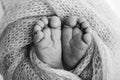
(38, 37)
(87, 38)
(41, 24)
(81, 20)
(77, 31)
(71, 21)
(45, 20)
(55, 22)
(37, 28)
(85, 25)
(88, 30)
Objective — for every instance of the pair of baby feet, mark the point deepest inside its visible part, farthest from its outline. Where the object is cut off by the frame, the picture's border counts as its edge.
(61, 47)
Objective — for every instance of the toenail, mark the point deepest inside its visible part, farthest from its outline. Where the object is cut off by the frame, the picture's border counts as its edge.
(71, 21)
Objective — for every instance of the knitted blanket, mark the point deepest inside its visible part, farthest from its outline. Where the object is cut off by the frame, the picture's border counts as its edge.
(18, 60)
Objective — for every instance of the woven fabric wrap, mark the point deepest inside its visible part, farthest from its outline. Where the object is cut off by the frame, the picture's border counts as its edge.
(17, 23)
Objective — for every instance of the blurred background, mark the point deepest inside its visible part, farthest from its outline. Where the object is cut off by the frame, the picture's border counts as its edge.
(114, 4)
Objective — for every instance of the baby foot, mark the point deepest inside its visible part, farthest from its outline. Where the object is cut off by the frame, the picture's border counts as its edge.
(76, 38)
(47, 41)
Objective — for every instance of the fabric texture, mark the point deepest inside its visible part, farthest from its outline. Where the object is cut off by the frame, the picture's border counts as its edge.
(17, 23)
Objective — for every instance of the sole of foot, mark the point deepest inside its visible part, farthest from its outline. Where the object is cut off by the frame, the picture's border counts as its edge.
(47, 41)
(76, 38)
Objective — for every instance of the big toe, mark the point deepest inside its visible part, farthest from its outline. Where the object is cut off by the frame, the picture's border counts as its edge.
(71, 21)
(55, 26)
(67, 31)
(55, 22)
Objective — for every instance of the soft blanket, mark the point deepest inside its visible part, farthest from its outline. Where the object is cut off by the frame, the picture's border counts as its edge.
(18, 60)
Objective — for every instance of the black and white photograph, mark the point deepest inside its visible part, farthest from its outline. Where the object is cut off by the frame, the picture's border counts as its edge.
(59, 39)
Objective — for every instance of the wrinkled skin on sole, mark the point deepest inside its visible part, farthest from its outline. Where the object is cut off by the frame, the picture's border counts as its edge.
(76, 38)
